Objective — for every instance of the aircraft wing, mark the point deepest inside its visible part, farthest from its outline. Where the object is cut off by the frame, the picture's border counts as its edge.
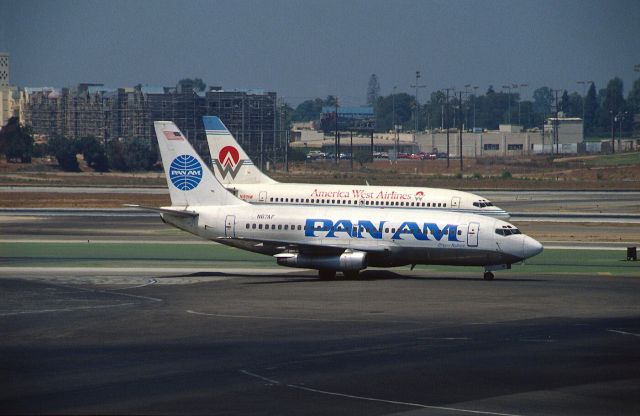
(322, 248)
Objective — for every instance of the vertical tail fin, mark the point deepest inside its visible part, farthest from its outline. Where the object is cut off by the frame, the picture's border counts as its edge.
(189, 180)
(230, 162)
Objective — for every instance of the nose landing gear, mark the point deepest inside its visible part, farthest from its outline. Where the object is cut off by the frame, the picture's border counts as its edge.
(488, 276)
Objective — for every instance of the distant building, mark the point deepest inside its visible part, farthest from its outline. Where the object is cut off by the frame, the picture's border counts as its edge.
(569, 129)
(114, 113)
(349, 118)
(6, 91)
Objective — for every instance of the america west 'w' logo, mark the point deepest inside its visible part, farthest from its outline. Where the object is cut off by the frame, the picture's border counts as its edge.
(228, 162)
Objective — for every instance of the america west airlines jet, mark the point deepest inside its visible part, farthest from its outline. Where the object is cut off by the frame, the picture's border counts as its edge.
(236, 171)
(330, 238)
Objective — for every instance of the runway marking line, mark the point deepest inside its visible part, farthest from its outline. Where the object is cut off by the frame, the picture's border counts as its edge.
(623, 332)
(373, 399)
(149, 282)
(109, 292)
(82, 289)
(65, 309)
(268, 380)
(284, 318)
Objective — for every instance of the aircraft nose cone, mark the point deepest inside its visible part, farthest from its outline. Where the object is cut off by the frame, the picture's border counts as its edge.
(531, 247)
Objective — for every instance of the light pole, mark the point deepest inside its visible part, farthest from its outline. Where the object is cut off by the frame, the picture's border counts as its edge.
(393, 100)
(584, 98)
(508, 88)
(466, 111)
(517, 87)
(556, 122)
(475, 87)
(446, 108)
(619, 119)
(417, 86)
(613, 147)
(460, 130)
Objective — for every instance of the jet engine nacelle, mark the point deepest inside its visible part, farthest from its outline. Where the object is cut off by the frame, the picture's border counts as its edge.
(349, 261)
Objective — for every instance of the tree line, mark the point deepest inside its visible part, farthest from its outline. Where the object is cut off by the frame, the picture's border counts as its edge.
(599, 108)
(17, 145)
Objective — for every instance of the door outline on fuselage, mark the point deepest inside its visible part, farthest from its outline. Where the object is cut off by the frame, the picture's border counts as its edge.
(262, 196)
(230, 226)
(455, 202)
(473, 229)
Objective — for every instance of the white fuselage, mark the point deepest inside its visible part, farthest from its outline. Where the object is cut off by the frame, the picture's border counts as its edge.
(425, 200)
(389, 237)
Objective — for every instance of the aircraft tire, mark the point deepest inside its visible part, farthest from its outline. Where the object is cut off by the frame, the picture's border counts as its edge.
(488, 276)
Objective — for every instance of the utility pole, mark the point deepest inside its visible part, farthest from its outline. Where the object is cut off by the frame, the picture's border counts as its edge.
(351, 150)
(556, 122)
(417, 86)
(336, 138)
(446, 109)
(393, 101)
(460, 131)
(620, 117)
(508, 88)
(613, 147)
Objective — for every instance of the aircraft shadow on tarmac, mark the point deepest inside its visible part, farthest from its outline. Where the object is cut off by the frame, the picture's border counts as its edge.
(367, 275)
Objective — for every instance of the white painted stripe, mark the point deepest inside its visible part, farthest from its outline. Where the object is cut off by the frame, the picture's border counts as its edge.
(423, 406)
(66, 309)
(281, 318)
(149, 282)
(373, 399)
(105, 292)
(623, 332)
(249, 373)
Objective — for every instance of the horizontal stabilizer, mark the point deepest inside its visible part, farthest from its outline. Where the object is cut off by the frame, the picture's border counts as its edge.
(175, 212)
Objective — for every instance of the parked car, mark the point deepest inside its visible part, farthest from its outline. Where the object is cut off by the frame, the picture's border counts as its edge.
(316, 154)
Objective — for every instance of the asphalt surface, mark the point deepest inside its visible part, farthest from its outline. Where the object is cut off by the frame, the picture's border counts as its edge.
(279, 342)
(94, 341)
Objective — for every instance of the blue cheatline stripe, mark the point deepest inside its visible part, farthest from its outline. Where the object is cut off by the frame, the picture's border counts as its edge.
(213, 123)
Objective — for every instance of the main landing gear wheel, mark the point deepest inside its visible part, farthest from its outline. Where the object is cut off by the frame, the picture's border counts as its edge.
(488, 276)
(327, 274)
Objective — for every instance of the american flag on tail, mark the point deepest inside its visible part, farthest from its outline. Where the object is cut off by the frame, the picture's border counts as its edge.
(172, 135)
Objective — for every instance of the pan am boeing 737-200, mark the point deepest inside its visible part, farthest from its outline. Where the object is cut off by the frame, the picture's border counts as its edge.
(330, 238)
(233, 167)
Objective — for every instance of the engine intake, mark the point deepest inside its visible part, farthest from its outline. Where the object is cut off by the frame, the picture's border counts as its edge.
(348, 261)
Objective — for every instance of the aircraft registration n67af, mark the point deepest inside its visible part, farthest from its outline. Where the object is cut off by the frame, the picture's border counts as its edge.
(330, 238)
(233, 167)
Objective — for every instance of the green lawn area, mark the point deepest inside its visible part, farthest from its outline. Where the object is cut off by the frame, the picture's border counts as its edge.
(618, 159)
(127, 255)
(606, 262)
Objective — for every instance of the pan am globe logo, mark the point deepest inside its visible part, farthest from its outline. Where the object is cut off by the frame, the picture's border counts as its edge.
(185, 172)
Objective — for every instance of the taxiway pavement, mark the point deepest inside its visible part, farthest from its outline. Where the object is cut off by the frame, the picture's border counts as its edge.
(241, 342)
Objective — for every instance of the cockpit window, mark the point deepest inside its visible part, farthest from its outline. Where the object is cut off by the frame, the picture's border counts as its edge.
(482, 203)
(507, 230)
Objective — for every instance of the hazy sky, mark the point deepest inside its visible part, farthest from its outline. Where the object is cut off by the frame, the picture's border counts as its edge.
(305, 49)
